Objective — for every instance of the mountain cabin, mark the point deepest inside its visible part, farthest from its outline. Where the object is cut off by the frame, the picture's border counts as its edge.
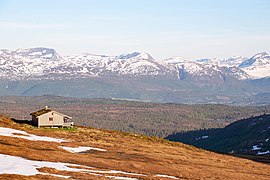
(50, 118)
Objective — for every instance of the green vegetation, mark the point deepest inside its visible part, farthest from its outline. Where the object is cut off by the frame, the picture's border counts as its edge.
(69, 129)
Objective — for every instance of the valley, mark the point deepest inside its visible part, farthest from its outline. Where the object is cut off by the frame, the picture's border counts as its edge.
(153, 119)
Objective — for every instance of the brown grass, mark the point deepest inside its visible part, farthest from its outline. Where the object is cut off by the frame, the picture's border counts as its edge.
(128, 152)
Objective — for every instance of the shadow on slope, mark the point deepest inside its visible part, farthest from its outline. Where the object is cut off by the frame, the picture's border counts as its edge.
(249, 138)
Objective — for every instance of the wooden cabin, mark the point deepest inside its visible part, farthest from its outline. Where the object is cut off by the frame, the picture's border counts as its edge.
(50, 118)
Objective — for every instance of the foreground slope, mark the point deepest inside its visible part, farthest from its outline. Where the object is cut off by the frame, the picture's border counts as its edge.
(119, 155)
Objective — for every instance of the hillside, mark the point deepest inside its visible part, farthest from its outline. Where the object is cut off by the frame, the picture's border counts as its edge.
(110, 155)
(154, 119)
(246, 137)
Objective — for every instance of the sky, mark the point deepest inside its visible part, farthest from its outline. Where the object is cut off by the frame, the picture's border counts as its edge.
(163, 28)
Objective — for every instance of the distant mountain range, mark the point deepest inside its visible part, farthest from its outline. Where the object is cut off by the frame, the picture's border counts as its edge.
(45, 63)
(39, 71)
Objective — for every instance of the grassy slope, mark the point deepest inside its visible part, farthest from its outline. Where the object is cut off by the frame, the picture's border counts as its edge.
(153, 119)
(129, 152)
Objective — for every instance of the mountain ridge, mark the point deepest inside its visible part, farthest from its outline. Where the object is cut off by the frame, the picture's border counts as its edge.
(36, 63)
(39, 71)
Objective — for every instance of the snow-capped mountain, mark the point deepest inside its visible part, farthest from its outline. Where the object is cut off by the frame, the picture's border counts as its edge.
(133, 64)
(45, 63)
(234, 61)
(39, 63)
(27, 62)
(204, 73)
(257, 66)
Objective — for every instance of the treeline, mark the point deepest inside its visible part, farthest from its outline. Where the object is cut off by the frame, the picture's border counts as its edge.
(154, 119)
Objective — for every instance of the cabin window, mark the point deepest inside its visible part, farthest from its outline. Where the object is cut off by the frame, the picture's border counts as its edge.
(50, 118)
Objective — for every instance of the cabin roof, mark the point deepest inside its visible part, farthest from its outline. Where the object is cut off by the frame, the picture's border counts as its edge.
(45, 111)
(40, 112)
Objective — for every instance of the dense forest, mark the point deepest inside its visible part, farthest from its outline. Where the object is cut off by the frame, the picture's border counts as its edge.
(154, 119)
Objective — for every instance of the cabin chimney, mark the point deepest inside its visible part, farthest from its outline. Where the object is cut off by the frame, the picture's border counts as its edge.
(46, 107)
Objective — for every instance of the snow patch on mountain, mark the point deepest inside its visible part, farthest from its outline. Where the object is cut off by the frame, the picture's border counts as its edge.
(128, 56)
(234, 61)
(257, 66)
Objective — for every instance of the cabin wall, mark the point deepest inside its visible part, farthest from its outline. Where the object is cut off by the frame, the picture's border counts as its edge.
(44, 120)
(34, 120)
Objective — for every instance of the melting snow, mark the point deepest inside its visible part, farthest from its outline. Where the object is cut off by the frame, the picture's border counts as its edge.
(122, 178)
(56, 175)
(166, 176)
(19, 165)
(255, 148)
(252, 124)
(15, 133)
(81, 149)
(202, 137)
(262, 153)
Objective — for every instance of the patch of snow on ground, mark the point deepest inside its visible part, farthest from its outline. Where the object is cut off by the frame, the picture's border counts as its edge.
(121, 178)
(262, 153)
(11, 133)
(202, 137)
(81, 149)
(18, 165)
(56, 175)
(255, 148)
(166, 176)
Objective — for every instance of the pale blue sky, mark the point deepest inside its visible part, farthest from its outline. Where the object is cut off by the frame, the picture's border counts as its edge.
(163, 28)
